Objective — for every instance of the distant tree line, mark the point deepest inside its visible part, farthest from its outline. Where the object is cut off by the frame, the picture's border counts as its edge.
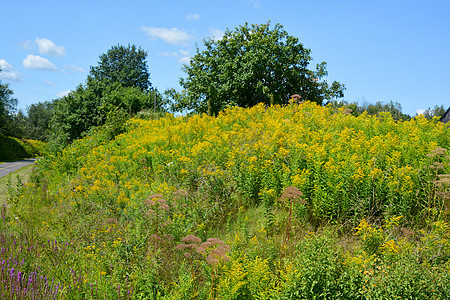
(394, 108)
(250, 64)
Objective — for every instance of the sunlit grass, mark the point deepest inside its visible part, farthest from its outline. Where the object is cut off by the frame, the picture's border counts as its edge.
(261, 203)
(24, 175)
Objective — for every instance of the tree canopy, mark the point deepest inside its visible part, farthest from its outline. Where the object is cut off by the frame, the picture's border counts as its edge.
(125, 65)
(8, 106)
(118, 86)
(91, 105)
(437, 111)
(253, 64)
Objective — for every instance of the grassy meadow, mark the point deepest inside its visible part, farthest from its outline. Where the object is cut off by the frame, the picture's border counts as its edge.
(281, 202)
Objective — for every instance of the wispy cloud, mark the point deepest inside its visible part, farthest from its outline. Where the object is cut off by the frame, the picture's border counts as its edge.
(185, 57)
(420, 111)
(73, 68)
(193, 17)
(172, 36)
(182, 57)
(46, 46)
(27, 45)
(8, 72)
(184, 52)
(256, 3)
(35, 62)
(184, 60)
(169, 54)
(62, 94)
(216, 34)
(51, 83)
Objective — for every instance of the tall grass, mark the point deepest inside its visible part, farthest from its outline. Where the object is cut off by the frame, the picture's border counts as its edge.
(293, 202)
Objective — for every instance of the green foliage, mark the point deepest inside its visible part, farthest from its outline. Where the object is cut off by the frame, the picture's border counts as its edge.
(437, 111)
(93, 105)
(356, 109)
(34, 124)
(8, 106)
(320, 272)
(120, 82)
(38, 120)
(124, 65)
(249, 65)
(13, 148)
(234, 207)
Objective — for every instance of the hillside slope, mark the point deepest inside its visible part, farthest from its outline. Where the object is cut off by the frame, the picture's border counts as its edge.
(300, 201)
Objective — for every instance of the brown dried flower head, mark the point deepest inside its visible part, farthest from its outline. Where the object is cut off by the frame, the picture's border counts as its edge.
(164, 206)
(192, 239)
(292, 192)
(347, 111)
(150, 213)
(215, 241)
(203, 247)
(154, 237)
(181, 193)
(111, 221)
(437, 166)
(150, 202)
(437, 152)
(218, 254)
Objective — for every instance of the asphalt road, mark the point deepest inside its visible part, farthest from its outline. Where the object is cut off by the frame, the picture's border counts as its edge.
(9, 167)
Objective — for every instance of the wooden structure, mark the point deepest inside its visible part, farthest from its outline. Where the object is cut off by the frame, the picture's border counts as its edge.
(446, 117)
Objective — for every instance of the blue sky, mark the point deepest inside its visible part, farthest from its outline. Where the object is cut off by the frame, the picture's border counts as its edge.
(381, 50)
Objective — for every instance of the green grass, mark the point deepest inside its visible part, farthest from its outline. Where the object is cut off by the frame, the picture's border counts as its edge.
(24, 175)
(295, 209)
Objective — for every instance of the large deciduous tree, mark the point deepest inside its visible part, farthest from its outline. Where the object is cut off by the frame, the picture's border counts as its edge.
(91, 105)
(118, 86)
(8, 105)
(125, 65)
(253, 64)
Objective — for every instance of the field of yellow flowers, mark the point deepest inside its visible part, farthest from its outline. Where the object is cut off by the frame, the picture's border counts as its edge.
(281, 202)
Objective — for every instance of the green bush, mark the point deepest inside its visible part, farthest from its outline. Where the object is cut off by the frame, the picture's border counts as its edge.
(13, 149)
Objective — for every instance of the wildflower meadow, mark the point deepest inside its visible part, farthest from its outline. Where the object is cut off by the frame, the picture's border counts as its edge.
(269, 202)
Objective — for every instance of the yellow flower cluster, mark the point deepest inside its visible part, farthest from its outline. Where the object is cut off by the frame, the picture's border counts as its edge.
(338, 161)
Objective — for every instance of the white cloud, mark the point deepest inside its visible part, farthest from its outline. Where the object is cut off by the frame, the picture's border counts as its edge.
(420, 111)
(48, 82)
(216, 34)
(27, 45)
(172, 36)
(184, 52)
(169, 54)
(73, 68)
(184, 60)
(62, 94)
(183, 56)
(193, 17)
(256, 3)
(35, 62)
(8, 72)
(46, 46)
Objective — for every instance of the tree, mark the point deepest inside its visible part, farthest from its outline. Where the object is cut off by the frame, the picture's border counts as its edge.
(253, 64)
(37, 121)
(437, 111)
(125, 65)
(91, 105)
(8, 106)
(394, 108)
(118, 87)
